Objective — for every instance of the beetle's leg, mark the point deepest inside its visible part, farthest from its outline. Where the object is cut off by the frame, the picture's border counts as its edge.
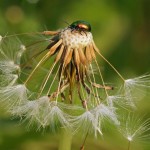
(85, 33)
(72, 30)
(80, 32)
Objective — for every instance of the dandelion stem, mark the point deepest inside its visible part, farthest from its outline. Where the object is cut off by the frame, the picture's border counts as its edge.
(65, 140)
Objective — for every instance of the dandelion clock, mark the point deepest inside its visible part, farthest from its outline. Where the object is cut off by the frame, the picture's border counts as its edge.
(56, 82)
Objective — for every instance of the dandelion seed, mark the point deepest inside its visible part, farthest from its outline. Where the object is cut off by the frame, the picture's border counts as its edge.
(8, 67)
(57, 117)
(43, 112)
(105, 112)
(10, 63)
(33, 105)
(33, 111)
(135, 128)
(8, 79)
(14, 95)
(135, 86)
(118, 100)
(20, 52)
(85, 122)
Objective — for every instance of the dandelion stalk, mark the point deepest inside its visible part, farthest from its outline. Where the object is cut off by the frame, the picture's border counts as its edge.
(65, 140)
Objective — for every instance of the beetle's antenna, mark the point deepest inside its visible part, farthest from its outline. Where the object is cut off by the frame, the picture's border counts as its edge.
(65, 22)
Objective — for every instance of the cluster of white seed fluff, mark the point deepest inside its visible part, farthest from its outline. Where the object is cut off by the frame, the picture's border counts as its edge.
(46, 110)
(76, 39)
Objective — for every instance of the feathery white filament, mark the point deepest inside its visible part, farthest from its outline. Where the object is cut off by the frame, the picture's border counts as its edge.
(7, 67)
(14, 95)
(85, 122)
(136, 86)
(43, 112)
(135, 128)
(105, 112)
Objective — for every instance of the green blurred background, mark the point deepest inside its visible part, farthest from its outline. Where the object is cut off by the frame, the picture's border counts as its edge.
(121, 29)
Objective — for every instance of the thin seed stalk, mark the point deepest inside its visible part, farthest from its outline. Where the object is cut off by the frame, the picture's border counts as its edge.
(129, 143)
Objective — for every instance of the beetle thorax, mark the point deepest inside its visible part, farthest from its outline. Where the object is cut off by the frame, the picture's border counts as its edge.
(75, 39)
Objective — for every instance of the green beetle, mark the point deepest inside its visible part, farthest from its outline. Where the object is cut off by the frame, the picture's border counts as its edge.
(80, 26)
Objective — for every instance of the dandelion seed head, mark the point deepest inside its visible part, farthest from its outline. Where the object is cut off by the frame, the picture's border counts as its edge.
(75, 39)
(75, 54)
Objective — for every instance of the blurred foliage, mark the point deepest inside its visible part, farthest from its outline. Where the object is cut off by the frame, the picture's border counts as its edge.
(121, 29)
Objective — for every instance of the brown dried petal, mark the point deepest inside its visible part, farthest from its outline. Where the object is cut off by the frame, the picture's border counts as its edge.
(92, 51)
(59, 53)
(82, 56)
(53, 48)
(88, 54)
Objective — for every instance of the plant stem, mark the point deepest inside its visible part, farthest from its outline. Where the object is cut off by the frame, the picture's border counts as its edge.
(65, 140)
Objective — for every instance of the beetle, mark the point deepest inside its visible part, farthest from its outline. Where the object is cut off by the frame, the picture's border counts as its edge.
(80, 26)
